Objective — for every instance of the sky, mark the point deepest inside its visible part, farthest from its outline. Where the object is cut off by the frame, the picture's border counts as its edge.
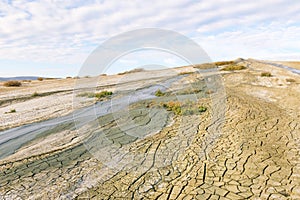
(53, 38)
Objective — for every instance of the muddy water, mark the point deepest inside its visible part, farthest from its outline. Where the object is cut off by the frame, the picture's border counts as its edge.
(13, 139)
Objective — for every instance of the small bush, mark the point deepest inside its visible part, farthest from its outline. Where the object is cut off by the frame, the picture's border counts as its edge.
(68, 77)
(233, 67)
(290, 80)
(40, 78)
(35, 94)
(103, 94)
(173, 106)
(11, 111)
(202, 109)
(12, 84)
(159, 93)
(186, 108)
(266, 74)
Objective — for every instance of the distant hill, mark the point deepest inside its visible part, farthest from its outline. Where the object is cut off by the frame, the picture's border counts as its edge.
(18, 78)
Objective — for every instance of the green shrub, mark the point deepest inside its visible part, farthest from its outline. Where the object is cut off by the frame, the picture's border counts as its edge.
(35, 94)
(173, 106)
(12, 84)
(103, 94)
(202, 109)
(266, 74)
(186, 108)
(159, 93)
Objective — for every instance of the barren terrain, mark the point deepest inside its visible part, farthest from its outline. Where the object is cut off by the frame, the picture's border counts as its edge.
(153, 149)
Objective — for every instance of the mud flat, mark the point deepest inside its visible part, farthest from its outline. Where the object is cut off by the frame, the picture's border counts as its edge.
(153, 151)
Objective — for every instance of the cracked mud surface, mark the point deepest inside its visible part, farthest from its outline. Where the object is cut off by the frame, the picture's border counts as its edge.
(256, 156)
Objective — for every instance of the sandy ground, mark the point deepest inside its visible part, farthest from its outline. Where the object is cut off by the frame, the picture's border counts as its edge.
(293, 64)
(62, 101)
(253, 155)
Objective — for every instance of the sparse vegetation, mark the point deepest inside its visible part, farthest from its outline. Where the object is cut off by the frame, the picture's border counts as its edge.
(132, 71)
(11, 111)
(213, 64)
(103, 94)
(189, 91)
(87, 94)
(233, 67)
(184, 73)
(173, 106)
(205, 66)
(159, 93)
(35, 94)
(186, 108)
(290, 80)
(209, 91)
(99, 95)
(40, 78)
(202, 109)
(12, 84)
(68, 77)
(220, 63)
(266, 74)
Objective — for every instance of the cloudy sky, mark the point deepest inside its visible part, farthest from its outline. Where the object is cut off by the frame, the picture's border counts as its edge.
(54, 37)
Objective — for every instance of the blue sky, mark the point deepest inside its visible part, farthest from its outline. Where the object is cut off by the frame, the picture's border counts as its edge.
(54, 37)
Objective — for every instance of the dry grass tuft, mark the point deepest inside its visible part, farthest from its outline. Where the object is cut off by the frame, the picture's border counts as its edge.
(12, 84)
(184, 73)
(290, 80)
(132, 71)
(233, 67)
(266, 74)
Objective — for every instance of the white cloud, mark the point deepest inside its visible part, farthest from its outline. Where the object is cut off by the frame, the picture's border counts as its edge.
(266, 42)
(58, 31)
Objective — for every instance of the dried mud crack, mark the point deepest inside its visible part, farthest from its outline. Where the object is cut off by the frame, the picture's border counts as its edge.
(256, 156)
